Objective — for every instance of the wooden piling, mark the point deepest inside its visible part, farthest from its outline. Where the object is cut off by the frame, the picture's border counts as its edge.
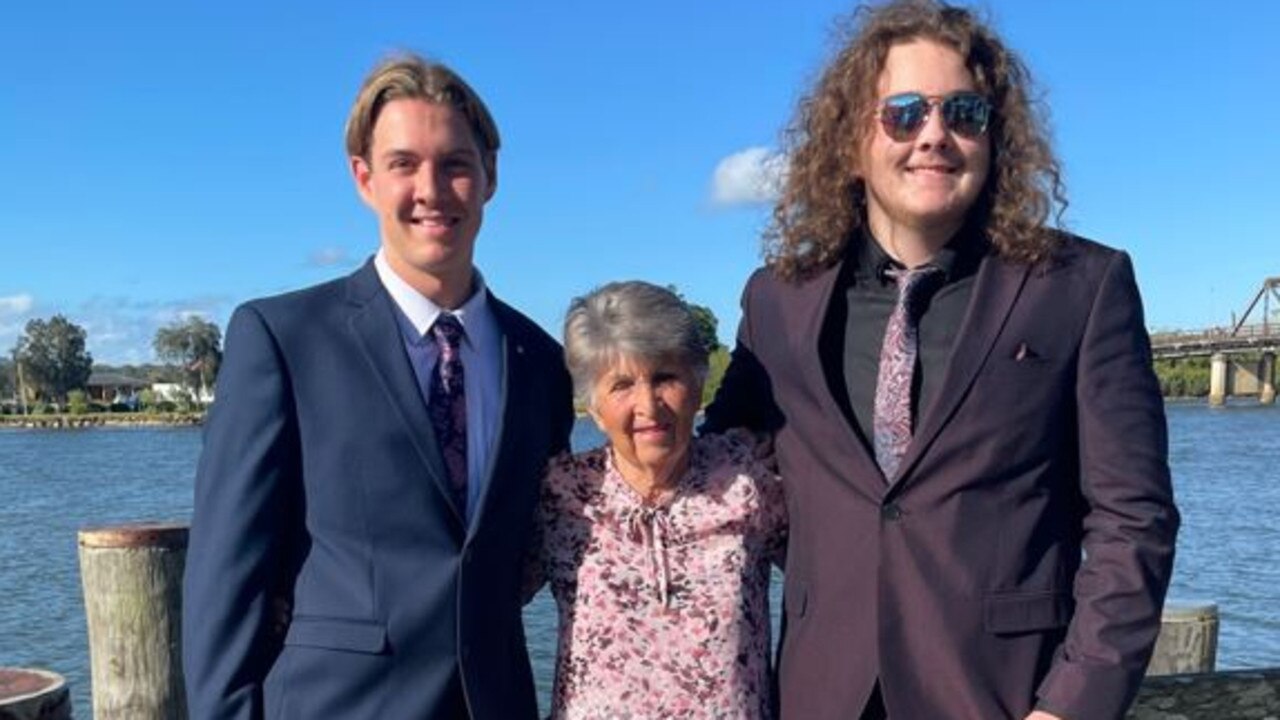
(132, 578)
(33, 695)
(1188, 640)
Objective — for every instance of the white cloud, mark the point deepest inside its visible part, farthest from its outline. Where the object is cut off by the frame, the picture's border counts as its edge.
(121, 330)
(16, 304)
(15, 310)
(750, 177)
(118, 329)
(330, 257)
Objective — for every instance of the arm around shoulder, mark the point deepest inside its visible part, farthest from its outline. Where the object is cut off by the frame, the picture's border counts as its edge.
(745, 396)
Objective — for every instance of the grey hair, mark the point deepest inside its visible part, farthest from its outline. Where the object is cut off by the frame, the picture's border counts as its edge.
(631, 319)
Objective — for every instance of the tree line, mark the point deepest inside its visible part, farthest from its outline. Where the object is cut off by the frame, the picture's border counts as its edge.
(50, 366)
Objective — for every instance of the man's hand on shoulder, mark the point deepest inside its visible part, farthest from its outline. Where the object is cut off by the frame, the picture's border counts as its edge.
(1042, 715)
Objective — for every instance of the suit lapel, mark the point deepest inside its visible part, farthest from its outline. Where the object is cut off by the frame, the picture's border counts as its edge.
(374, 324)
(995, 291)
(814, 337)
(517, 385)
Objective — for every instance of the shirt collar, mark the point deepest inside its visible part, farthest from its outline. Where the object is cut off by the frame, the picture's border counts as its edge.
(956, 259)
(421, 313)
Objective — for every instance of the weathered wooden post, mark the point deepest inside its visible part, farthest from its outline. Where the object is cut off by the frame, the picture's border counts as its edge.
(33, 695)
(132, 597)
(1188, 640)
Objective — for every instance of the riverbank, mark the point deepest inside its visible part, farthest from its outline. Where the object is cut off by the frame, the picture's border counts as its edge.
(87, 420)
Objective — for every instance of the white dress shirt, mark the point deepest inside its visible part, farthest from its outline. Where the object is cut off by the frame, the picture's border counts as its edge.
(481, 361)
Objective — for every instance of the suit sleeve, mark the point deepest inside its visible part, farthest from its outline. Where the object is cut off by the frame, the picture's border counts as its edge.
(234, 560)
(563, 416)
(1130, 520)
(745, 396)
(562, 419)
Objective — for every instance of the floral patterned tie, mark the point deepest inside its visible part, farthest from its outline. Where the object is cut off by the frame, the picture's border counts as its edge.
(448, 405)
(893, 421)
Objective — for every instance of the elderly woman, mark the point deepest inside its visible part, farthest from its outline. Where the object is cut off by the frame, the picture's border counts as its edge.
(658, 545)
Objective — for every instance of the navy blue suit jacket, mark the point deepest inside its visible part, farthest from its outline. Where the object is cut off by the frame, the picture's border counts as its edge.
(321, 488)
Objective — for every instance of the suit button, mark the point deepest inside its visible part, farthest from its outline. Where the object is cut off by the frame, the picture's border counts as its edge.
(891, 511)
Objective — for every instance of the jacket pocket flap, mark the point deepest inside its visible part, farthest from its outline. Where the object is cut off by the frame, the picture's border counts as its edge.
(337, 634)
(1026, 612)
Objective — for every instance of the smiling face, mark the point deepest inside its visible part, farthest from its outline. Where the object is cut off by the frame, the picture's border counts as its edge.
(425, 181)
(925, 185)
(647, 411)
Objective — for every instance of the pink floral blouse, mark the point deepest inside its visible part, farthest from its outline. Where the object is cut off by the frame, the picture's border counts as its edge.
(663, 609)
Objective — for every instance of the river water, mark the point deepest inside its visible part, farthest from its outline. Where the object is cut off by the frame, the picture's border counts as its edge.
(1226, 469)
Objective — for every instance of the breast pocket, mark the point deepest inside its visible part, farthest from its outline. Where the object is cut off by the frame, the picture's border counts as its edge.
(1016, 404)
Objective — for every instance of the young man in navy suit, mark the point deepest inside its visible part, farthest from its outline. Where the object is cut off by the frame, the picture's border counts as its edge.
(371, 464)
(965, 415)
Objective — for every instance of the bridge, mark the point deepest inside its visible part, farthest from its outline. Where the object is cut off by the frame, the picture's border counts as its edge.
(1229, 374)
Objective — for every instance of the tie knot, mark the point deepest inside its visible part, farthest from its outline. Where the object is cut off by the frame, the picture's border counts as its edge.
(915, 284)
(447, 331)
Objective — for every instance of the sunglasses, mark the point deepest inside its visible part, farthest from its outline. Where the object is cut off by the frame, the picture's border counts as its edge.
(964, 113)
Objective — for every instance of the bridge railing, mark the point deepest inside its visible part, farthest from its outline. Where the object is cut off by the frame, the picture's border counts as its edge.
(1216, 334)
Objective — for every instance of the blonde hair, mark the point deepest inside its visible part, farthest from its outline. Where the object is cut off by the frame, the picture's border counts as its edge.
(408, 75)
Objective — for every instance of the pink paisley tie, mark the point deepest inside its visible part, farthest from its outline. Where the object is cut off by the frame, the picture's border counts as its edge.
(448, 405)
(893, 421)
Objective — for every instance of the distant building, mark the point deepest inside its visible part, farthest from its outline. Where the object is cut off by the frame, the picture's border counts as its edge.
(114, 388)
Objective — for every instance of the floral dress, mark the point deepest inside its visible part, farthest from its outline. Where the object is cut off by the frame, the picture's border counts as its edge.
(663, 608)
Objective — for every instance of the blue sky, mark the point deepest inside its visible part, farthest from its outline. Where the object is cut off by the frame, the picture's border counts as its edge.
(171, 158)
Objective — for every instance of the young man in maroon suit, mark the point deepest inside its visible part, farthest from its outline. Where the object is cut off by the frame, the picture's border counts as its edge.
(965, 414)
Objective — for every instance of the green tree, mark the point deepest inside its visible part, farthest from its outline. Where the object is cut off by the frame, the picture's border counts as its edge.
(195, 345)
(719, 362)
(706, 320)
(8, 379)
(1183, 377)
(53, 357)
(77, 402)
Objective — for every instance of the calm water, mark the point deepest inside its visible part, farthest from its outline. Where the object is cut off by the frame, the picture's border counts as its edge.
(1226, 466)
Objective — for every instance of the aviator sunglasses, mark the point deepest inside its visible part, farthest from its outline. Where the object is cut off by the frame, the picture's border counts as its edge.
(964, 113)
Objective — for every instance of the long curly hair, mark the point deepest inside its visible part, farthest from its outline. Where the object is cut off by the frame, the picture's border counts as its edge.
(823, 198)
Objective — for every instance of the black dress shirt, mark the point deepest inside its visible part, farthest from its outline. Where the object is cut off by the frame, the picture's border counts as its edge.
(864, 298)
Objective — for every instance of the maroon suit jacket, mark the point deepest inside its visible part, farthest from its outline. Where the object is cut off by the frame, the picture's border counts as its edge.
(1022, 558)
